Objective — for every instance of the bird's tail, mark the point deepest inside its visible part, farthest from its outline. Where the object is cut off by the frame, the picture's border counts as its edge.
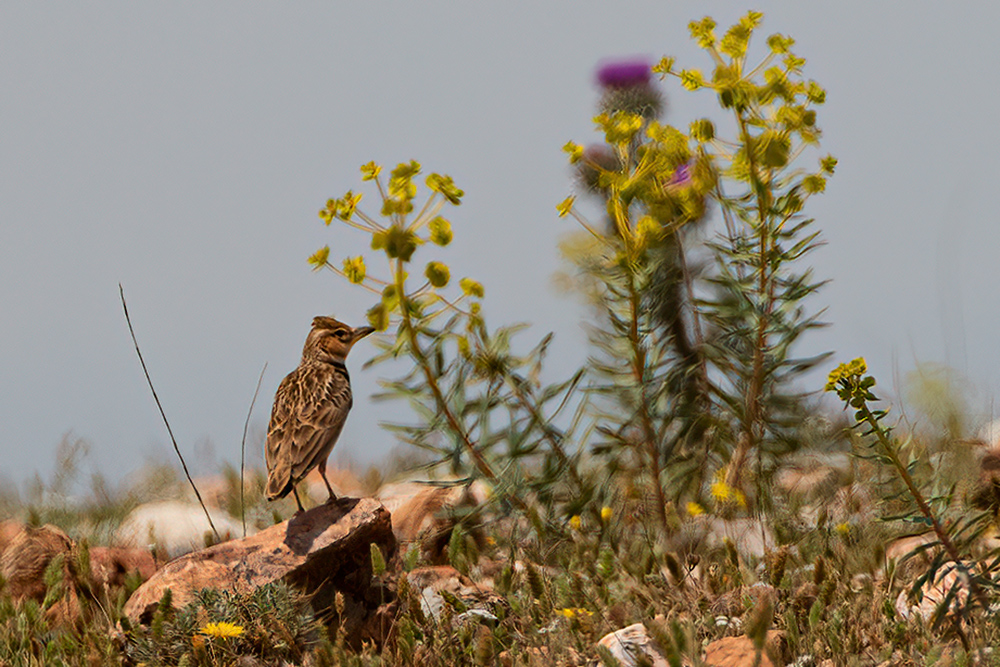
(279, 483)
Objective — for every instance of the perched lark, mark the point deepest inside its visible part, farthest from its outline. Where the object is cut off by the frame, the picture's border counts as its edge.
(310, 408)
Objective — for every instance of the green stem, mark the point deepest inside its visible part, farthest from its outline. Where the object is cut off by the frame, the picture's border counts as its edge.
(442, 405)
(638, 372)
(925, 508)
(753, 411)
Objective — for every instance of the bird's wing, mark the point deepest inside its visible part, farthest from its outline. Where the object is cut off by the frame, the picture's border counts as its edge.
(309, 412)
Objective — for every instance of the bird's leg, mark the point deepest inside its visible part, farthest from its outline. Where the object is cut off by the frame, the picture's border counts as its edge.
(297, 501)
(322, 473)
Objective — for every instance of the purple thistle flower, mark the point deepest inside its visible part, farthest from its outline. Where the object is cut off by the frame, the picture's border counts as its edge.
(681, 175)
(624, 73)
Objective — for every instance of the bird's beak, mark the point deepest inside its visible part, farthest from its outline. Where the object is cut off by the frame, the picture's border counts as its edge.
(361, 332)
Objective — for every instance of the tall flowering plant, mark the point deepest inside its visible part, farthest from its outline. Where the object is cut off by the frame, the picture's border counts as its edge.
(482, 411)
(696, 337)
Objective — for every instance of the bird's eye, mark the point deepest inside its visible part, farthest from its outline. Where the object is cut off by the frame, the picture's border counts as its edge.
(341, 334)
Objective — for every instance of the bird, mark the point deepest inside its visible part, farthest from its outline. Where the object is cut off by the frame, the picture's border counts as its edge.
(310, 408)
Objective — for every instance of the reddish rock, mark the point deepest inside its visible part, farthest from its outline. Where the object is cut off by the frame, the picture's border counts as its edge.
(27, 556)
(426, 514)
(740, 651)
(8, 531)
(322, 551)
(110, 566)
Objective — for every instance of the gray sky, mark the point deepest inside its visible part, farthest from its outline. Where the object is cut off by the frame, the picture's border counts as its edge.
(183, 150)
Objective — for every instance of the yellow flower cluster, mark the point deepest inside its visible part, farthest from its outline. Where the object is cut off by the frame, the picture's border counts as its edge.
(852, 369)
(319, 258)
(724, 493)
(222, 630)
(576, 612)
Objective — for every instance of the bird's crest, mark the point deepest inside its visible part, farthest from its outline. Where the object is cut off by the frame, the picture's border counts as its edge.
(324, 322)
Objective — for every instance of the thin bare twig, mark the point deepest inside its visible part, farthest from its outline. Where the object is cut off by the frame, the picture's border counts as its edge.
(243, 448)
(121, 292)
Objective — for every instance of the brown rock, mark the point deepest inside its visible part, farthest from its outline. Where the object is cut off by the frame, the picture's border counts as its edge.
(27, 556)
(109, 566)
(322, 551)
(25, 561)
(427, 514)
(8, 531)
(740, 651)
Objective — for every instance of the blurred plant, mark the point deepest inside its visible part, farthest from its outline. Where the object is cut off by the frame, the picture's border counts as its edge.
(957, 533)
(697, 363)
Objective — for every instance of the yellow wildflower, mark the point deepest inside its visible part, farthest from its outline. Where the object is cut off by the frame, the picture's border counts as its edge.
(370, 171)
(565, 206)
(575, 522)
(576, 612)
(437, 274)
(348, 205)
(440, 231)
(222, 630)
(354, 269)
(574, 150)
(446, 187)
(721, 491)
(843, 528)
(318, 259)
(606, 513)
(694, 509)
(471, 287)
(856, 367)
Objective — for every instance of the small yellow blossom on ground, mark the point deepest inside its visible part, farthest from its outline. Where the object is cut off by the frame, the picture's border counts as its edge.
(491, 541)
(576, 612)
(222, 629)
(721, 491)
(575, 522)
(694, 509)
(843, 528)
(606, 513)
